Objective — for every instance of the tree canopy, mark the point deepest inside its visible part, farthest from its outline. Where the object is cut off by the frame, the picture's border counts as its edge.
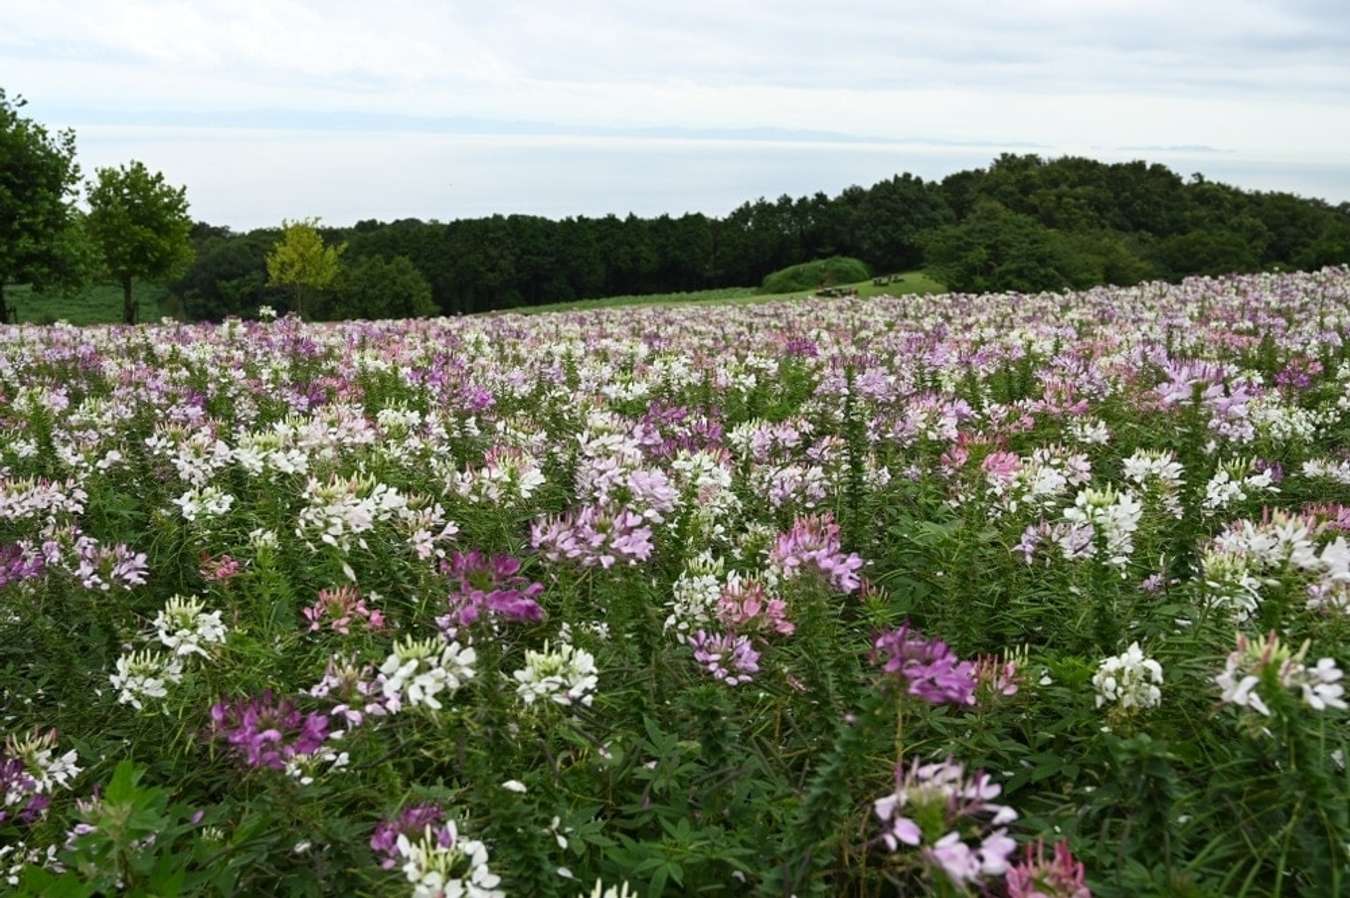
(140, 223)
(1023, 222)
(41, 236)
(302, 262)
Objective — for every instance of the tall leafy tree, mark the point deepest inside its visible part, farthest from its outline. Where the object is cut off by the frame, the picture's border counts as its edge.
(41, 241)
(302, 262)
(374, 287)
(141, 226)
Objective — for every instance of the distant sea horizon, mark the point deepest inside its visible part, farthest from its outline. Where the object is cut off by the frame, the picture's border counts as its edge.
(345, 175)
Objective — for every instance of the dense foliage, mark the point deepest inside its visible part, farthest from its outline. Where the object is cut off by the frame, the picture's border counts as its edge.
(302, 263)
(40, 228)
(1012, 595)
(817, 273)
(139, 224)
(1024, 223)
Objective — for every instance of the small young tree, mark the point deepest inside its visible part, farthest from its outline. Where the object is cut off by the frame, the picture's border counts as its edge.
(40, 238)
(302, 262)
(140, 224)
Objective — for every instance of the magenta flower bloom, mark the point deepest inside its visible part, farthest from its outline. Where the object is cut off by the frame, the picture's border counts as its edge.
(745, 607)
(18, 789)
(594, 536)
(481, 586)
(927, 667)
(18, 564)
(267, 732)
(1002, 467)
(341, 608)
(1035, 877)
(813, 543)
(731, 659)
(221, 569)
(412, 822)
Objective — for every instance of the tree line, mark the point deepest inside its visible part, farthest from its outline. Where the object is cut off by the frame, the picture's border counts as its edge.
(1022, 223)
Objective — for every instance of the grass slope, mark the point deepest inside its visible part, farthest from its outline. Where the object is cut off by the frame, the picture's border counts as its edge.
(911, 282)
(95, 304)
(102, 303)
(817, 273)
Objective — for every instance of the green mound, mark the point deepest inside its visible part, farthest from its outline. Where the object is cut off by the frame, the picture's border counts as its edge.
(816, 273)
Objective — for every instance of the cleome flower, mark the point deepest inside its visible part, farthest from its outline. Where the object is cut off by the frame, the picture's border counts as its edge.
(186, 627)
(1258, 669)
(1111, 517)
(813, 544)
(419, 670)
(441, 864)
(265, 731)
(352, 690)
(595, 535)
(927, 668)
(565, 676)
(951, 817)
(30, 771)
(411, 822)
(340, 609)
(731, 659)
(487, 588)
(1059, 877)
(145, 675)
(1129, 680)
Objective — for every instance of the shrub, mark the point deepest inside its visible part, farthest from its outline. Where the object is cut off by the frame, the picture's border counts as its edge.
(817, 273)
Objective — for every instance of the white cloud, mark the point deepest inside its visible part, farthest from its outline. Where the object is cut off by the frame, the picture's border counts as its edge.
(1264, 82)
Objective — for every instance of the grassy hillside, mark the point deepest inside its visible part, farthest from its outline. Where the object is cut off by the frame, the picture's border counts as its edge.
(102, 303)
(829, 272)
(95, 304)
(911, 282)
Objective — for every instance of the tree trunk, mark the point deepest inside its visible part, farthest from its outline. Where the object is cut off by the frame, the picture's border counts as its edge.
(128, 305)
(4, 306)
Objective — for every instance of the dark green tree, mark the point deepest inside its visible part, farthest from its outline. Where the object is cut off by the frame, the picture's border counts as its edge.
(42, 240)
(141, 226)
(374, 287)
(996, 249)
(891, 218)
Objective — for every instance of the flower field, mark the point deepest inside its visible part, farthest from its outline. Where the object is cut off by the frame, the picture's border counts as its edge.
(1001, 595)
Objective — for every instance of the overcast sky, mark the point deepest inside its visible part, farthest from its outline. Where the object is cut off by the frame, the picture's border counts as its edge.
(345, 110)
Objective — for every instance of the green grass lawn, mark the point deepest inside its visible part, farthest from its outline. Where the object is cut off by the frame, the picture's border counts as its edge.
(95, 304)
(911, 282)
(102, 303)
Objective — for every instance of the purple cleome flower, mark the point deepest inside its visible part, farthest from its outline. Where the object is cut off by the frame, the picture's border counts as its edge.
(267, 732)
(1060, 877)
(594, 536)
(927, 667)
(487, 587)
(729, 658)
(813, 542)
(412, 822)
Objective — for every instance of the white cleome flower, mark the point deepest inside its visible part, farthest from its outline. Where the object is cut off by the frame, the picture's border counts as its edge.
(1130, 680)
(420, 670)
(1266, 663)
(186, 627)
(441, 864)
(145, 675)
(203, 502)
(565, 675)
